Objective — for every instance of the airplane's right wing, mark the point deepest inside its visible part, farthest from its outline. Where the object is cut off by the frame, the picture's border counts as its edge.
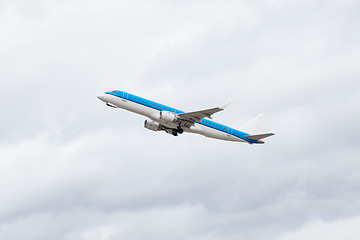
(197, 115)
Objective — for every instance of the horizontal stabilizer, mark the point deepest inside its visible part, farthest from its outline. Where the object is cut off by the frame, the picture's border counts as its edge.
(259, 136)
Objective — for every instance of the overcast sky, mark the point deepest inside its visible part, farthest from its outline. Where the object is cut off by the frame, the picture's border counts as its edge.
(73, 169)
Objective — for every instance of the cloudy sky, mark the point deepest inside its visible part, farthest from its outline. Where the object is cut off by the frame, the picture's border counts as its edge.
(72, 168)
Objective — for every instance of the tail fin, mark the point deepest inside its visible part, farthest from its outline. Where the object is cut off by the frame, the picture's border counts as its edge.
(254, 125)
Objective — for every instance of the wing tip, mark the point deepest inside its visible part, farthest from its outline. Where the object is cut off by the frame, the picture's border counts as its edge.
(225, 106)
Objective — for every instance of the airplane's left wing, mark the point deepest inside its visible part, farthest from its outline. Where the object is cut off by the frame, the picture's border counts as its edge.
(197, 115)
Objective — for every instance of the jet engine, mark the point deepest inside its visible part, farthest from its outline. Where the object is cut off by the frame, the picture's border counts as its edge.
(167, 116)
(152, 125)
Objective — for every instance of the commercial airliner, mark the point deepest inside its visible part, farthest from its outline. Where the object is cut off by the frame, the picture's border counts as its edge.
(174, 121)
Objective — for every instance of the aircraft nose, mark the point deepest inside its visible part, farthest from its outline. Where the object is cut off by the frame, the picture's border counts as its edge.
(101, 97)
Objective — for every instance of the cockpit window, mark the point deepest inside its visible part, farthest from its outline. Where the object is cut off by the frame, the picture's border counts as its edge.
(113, 91)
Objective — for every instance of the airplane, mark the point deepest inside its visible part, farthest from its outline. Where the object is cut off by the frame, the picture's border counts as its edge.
(174, 121)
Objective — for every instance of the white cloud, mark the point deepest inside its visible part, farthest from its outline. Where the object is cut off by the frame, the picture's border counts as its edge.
(319, 229)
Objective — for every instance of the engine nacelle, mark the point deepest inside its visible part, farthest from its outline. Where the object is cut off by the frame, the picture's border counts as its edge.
(152, 125)
(167, 116)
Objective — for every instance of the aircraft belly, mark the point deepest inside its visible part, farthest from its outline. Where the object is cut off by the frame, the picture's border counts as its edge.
(212, 133)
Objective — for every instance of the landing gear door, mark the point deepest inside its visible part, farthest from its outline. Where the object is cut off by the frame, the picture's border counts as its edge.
(125, 96)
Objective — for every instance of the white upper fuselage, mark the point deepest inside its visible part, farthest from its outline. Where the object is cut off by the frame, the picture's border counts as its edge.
(154, 111)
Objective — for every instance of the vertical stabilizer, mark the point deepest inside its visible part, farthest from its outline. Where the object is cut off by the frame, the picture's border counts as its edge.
(254, 125)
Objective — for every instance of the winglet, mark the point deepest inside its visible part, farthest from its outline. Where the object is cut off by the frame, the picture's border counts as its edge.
(220, 109)
(225, 106)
